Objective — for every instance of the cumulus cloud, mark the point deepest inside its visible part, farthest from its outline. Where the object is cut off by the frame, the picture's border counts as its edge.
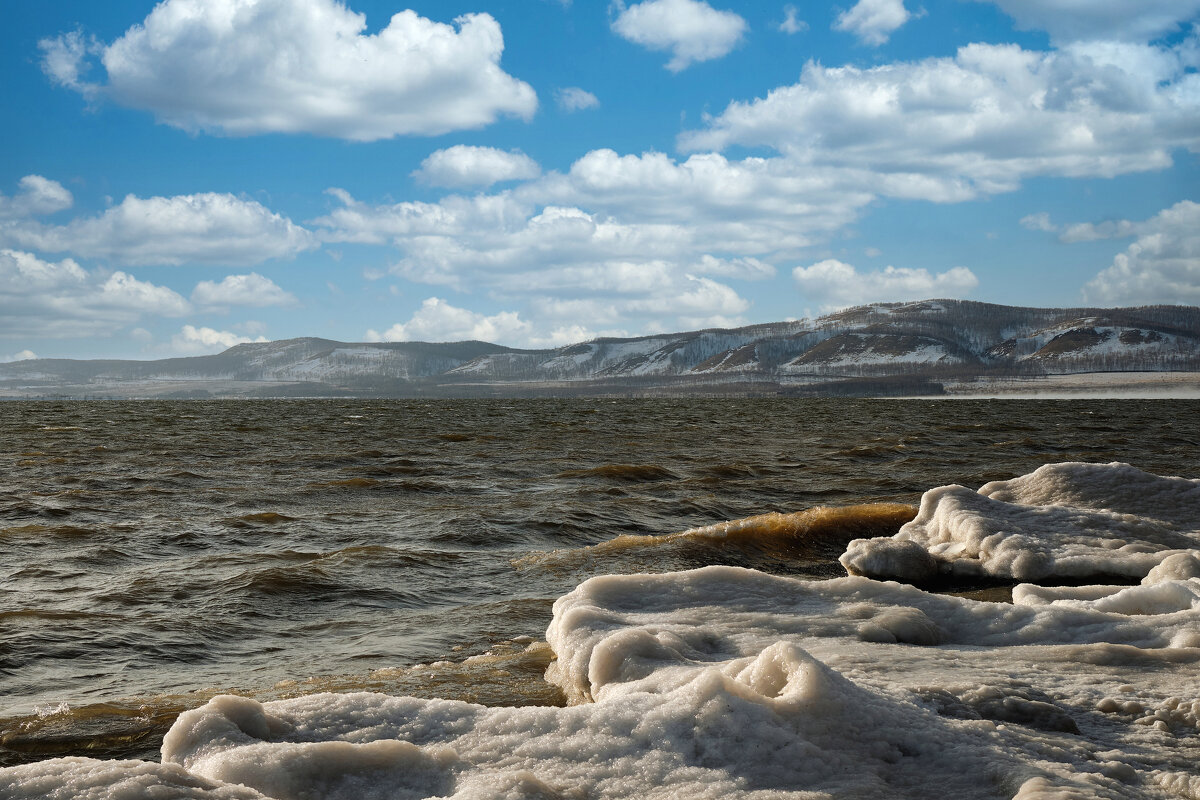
(464, 166)
(615, 230)
(834, 284)
(948, 129)
(1127, 20)
(24, 355)
(719, 200)
(242, 290)
(791, 21)
(299, 66)
(691, 30)
(568, 262)
(702, 303)
(62, 299)
(193, 341)
(1161, 266)
(572, 98)
(205, 228)
(438, 321)
(873, 21)
(646, 207)
(36, 196)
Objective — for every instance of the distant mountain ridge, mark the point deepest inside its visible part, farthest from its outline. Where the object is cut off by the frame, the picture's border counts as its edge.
(894, 347)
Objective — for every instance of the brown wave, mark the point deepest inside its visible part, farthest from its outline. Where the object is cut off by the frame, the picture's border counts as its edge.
(622, 472)
(821, 529)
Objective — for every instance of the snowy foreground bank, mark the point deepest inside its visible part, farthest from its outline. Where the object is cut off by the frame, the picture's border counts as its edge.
(724, 682)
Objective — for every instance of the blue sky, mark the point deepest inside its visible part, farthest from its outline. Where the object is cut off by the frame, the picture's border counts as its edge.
(182, 176)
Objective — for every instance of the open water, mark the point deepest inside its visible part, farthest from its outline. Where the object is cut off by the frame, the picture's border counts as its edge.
(153, 554)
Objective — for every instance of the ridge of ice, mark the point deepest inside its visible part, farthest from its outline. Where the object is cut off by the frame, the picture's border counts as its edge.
(1069, 520)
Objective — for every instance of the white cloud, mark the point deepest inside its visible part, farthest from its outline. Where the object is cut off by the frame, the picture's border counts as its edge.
(24, 355)
(791, 21)
(1038, 222)
(438, 321)
(702, 303)
(834, 284)
(1090, 232)
(208, 228)
(45, 298)
(612, 231)
(691, 30)
(300, 66)
(1161, 266)
(948, 129)
(1127, 20)
(873, 21)
(463, 165)
(64, 58)
(565, 335)
(718, 200)
(202, 341)
(572, 98)
(242, 290)
(746, 268)
(37, 196)
(1081, 231)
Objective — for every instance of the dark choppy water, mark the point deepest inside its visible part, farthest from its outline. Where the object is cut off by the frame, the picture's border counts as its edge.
(152, 553)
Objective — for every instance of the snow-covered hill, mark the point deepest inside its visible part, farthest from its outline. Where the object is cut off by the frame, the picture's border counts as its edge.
(936, 339)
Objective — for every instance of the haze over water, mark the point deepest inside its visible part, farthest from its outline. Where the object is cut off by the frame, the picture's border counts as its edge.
(152, 553)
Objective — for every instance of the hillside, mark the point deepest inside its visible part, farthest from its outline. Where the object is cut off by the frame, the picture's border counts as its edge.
(880, 349)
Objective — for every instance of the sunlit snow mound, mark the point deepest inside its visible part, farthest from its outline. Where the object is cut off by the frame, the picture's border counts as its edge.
(1063, 521)
(729, 683)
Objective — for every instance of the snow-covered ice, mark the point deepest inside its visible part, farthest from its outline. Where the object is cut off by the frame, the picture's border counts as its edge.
(1068, 520)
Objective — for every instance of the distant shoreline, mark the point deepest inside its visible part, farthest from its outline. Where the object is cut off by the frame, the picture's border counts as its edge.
(1073, 386)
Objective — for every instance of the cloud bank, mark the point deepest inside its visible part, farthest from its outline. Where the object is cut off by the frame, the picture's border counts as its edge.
(62, 299)
(194, 228)
(1161, 266)
(949, 129)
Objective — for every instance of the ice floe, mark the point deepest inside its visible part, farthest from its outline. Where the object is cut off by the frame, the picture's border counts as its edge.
(726, 682)
(1062, 521)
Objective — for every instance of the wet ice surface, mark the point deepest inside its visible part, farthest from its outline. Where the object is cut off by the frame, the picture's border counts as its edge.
(729, 682)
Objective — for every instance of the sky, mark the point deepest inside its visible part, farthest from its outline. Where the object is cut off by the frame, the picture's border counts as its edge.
(184, 176)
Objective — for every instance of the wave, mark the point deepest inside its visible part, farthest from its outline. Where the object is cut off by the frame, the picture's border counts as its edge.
(347, 483)
(800, 534)
(261, 518)
(622, 472)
